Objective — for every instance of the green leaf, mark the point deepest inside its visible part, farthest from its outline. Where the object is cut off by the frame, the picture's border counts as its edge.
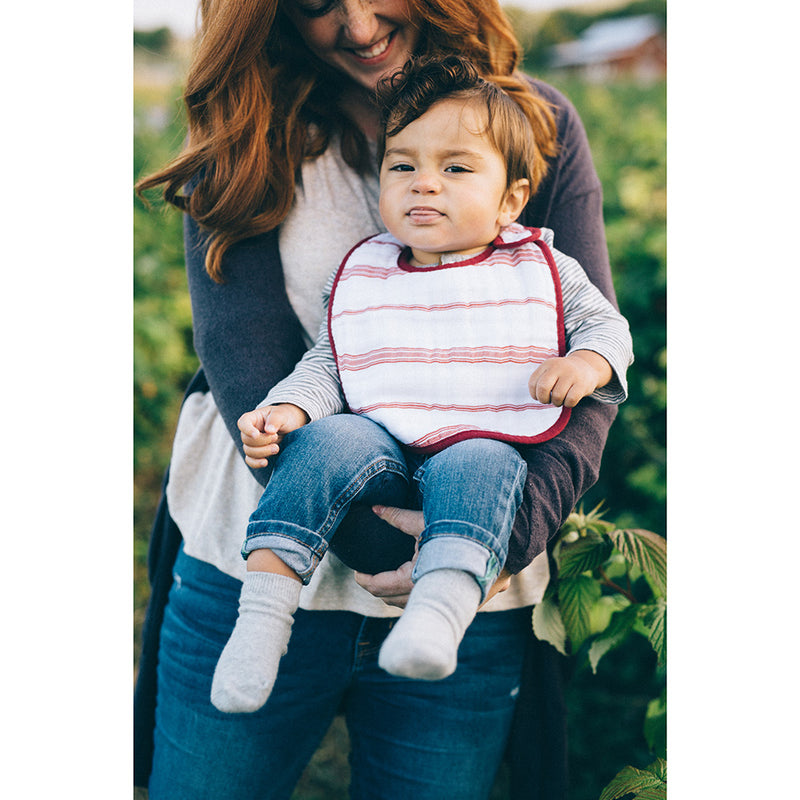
(654, 617)
(645, 784)
(588, 552)
(582, 522)
(646, 550)
(620, 626)
(605, 608)
(616, 567)
(655, 725)
(548, 625)
(576, 596)
(659, 768)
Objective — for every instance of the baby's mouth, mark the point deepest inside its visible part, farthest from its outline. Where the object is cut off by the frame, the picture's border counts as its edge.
(424, 214)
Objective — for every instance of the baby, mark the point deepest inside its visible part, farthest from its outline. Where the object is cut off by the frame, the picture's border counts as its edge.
(449, 339)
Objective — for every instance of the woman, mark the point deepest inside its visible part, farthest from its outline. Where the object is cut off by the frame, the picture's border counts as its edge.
(280, 161)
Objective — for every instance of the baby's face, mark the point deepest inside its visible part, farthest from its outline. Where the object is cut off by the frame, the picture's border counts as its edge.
(443, 183)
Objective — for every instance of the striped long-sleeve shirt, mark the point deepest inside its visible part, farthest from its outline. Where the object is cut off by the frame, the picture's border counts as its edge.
(590, 322)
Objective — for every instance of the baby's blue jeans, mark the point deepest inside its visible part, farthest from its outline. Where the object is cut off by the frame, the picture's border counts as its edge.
(470, 494)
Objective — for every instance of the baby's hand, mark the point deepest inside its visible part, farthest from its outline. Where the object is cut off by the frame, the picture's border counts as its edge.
(565, 381)
(263, 428)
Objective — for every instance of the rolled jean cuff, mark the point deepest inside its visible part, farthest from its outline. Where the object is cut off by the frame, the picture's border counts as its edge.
(299, 548)
(458, 552)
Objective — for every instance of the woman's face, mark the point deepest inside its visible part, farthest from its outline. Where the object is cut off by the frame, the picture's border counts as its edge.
(363, 39)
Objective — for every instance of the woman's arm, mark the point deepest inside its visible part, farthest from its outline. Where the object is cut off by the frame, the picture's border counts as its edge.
(245, 333)
(559, 472)
(562, 469)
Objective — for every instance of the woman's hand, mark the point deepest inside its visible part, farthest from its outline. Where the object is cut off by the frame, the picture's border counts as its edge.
(394, 587)
(500, 585)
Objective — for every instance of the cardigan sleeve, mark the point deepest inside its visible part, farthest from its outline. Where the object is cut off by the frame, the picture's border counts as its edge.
(246, 334)
(314, 384)
(570, 202)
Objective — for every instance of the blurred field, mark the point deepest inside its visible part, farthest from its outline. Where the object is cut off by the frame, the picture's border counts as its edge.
(626, 124)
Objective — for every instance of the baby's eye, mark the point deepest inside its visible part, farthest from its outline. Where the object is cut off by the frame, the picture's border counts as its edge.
(401, 168)
(457, 168)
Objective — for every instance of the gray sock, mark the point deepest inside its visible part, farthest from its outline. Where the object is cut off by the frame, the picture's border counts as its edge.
(424, 642)
(248, 666)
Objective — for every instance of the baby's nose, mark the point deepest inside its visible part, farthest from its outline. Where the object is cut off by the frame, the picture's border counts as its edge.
(425, 183)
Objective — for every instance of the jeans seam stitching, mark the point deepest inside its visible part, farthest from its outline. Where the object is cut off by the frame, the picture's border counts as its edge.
(355, 486)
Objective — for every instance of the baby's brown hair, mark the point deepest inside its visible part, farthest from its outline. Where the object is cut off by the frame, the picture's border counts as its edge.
(410, 92)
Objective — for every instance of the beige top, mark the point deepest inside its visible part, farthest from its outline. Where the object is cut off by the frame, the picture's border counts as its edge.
(211, 493)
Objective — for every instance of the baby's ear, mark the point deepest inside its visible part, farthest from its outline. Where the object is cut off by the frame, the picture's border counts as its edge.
(517, 196)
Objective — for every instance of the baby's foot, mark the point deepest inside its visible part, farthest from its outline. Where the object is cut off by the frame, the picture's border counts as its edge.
(424, 642)
(248, 666)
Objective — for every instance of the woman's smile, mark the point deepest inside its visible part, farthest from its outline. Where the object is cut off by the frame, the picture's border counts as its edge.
(364, 41)
(376, 50)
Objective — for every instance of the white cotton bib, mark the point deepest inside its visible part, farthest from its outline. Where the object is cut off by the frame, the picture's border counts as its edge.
(441, 353)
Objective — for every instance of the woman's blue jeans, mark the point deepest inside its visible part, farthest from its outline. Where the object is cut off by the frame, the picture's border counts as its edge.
(410, 740)
(470, 494)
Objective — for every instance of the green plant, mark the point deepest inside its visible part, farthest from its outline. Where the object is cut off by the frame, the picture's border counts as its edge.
(609, 584)
(639, 784)
(159, 40)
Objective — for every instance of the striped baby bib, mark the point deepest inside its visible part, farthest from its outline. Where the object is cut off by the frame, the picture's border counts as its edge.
(442, 353)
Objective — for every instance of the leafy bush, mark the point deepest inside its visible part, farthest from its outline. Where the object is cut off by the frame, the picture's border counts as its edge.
(156, 41)
(163, 357)
(609, 584)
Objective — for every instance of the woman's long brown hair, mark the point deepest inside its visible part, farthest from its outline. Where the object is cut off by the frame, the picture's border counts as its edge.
(258, 103)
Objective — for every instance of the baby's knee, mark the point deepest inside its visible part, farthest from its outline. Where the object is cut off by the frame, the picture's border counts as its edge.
(337, 427)
(483, 449)
(483, 459)
(349, 434)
